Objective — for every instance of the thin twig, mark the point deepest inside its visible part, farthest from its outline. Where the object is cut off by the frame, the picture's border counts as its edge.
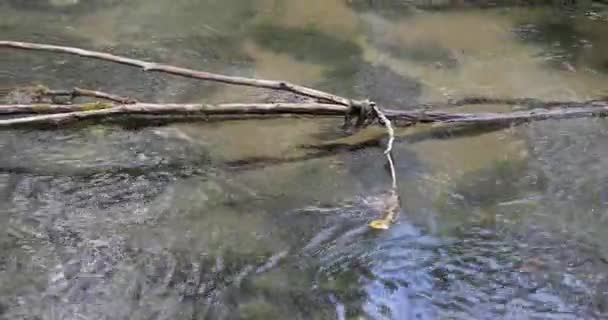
(184, 72)
(392, 201)
(389, 144)
(78, 92)
(392, 167)
(389, 128)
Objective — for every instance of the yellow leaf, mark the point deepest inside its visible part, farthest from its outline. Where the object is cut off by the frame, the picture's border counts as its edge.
(379, 224)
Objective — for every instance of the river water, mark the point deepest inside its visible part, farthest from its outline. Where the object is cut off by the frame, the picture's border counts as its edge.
(266, 219)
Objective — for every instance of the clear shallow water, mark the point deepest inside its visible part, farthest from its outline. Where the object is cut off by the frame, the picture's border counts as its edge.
(245, 220)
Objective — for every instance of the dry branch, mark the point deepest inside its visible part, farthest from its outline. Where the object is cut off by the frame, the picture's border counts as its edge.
(99, 111)
(184, 72)
(180, 109)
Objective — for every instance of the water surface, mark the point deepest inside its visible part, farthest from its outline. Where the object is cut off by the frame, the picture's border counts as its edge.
(266, 219)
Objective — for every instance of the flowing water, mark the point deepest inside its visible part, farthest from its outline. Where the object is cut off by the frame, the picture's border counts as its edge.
(266, 219)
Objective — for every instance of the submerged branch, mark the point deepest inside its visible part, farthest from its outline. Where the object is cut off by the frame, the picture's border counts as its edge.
(592, 109)
(184, 72)
(595, 109)
(528, 102)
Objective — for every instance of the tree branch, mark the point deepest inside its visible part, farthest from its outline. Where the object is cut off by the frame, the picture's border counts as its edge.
(184, 72)
(64, 114)
(100, 110)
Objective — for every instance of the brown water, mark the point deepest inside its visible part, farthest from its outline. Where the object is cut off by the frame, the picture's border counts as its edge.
(265, 219)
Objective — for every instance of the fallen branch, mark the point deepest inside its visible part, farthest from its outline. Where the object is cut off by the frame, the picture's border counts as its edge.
(100, 110)
(58, 114)
(179, 109)
(184, 72)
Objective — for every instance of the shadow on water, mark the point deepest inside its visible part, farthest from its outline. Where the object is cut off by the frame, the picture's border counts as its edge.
(124, 220)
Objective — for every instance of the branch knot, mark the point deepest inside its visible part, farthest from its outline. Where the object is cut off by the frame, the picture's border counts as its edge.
(362, 110)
